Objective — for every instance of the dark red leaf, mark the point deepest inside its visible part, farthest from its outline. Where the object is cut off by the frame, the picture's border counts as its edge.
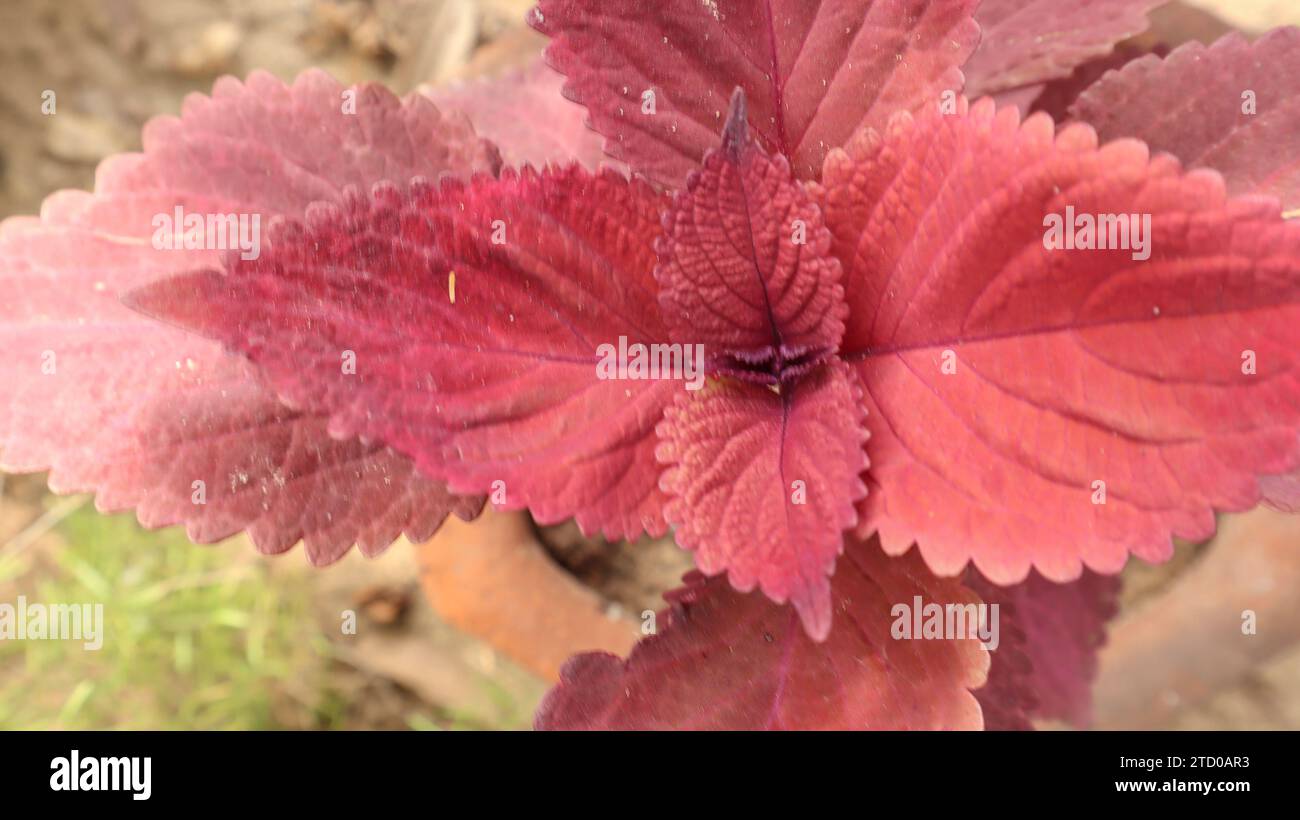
(1056, 97)
(1171, 25)
(745, 266)
(765, 483)
(1007, 698)
(487, 377)
(1194, 105)
(1004, 380)
(815, 73)
(1046, 662)
(138, 412)
(1025, 42)
(724, 660)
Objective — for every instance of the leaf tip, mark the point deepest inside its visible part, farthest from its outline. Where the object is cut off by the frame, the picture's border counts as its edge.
(736, 132)
(813, 607)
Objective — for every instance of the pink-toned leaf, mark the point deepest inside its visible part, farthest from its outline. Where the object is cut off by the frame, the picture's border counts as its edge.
(815, 73)
(1171, 25)
(1025, 42)
(1282, 492)
(745, 266)
(1056, 97)
(724, 660)
(488, 380)
(1004, 380)
(138, 412)
(1193, 104)
(525, 116)
(1046, 662)
(764, 483)
(1022, 99)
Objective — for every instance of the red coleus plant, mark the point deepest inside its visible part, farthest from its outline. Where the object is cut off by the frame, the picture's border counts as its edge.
(922, 322)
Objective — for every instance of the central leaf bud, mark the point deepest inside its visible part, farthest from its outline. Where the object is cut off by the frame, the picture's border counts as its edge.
(771, 365)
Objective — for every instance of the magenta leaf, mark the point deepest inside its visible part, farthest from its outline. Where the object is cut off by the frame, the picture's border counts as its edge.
(1036, 406)
(1055, 97)
(155, 419)
(1233, 106)
(814, 73)
(764, 483)
(725, 660)
(1007, 698)
(745, 266)
(476, 314)
(525, 116)
(1046, 662)
(1026, 42)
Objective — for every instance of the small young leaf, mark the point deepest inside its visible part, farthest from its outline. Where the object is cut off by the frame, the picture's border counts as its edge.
(736, 451)
(745, 266)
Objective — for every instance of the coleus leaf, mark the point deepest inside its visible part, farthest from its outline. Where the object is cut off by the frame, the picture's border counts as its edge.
(764, 483)
(1046, 662)
(726, 660)
(1007, 699)
(525, 116)
(1027, 42)
(1055, 408)
(475, 313)
(765, 470)
(1170, 25)
(814, 73)
(496, 378)
(744, 265)
(1056, 97)
(1233, 106)
(113, 403)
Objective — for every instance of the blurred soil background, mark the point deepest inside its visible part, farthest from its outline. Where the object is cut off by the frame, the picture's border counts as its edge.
(218, 636)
